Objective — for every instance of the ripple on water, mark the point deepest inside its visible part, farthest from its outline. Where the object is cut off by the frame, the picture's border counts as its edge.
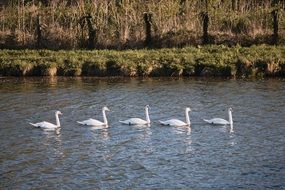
(139, 157)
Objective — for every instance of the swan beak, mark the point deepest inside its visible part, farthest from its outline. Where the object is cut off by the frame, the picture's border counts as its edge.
(60, 113)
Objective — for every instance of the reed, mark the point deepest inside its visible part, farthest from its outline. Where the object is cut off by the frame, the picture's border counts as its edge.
(119, 24)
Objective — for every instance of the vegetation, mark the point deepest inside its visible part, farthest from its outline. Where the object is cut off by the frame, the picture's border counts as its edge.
(171, 30)
(123, 24)
(211, 60)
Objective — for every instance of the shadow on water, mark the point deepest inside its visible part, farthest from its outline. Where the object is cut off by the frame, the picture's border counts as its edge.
(142, 157)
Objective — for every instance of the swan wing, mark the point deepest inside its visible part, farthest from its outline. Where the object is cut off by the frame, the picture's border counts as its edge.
(44, 125)
(217, 121)
(173, 122)
(134, 121)
(91, 121)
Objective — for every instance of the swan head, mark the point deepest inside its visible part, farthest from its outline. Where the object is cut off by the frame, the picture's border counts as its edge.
(230, 110)
(105, 108)
(188, 109)
(58, 113)
(147, 107)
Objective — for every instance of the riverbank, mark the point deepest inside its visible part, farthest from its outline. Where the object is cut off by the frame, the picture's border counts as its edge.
(207, 61)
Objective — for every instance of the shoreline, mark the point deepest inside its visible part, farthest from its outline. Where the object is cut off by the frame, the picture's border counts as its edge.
(203, 61)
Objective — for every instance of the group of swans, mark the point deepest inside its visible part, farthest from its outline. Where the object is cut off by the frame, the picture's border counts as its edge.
(137, 121)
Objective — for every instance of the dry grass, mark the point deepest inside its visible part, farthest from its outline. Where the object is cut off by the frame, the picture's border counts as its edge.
(119, 24)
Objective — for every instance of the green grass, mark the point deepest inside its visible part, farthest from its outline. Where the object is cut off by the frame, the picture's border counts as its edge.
(212, 60)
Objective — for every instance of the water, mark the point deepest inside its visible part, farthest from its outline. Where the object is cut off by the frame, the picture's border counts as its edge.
(133, 157)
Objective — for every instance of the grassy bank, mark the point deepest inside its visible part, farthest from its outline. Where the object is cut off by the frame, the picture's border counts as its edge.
(255, 61)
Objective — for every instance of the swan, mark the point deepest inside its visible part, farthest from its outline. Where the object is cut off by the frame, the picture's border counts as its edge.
(220, 121)
(95, 122)
(138, 121)
(177, 122)
(47, 125)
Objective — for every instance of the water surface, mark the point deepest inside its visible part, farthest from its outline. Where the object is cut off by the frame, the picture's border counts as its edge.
(136, 157)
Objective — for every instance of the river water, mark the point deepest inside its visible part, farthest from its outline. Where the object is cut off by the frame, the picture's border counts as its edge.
(137, 157)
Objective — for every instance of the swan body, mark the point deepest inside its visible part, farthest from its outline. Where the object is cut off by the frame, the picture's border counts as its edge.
(217, 121)
(47, 125)
(138, 121)
(173, 122)
(95, 122)
(220, 121)
(134, 121)
(177, 122)
(91, 121)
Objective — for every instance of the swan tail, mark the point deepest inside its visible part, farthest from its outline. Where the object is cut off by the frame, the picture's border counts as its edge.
(162, 122)
(206, 120)
(33, 124)
(80, 122)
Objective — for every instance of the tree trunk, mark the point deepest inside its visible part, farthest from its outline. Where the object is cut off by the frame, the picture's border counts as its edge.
(91, 31)
(205, 18)
(275, 22)
(148, 22)
(234, 3)
(38, 32)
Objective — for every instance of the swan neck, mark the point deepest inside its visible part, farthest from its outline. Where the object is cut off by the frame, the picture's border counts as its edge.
(231, 121)
(230, 117)
(187, 117)
(104, 117)
(232, 128)
(57, 120)
(147, 115)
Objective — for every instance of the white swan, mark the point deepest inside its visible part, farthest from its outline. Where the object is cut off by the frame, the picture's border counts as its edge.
(220, 121)
(177, 122)
(95, 122)
(138, 121)
(47, 125)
